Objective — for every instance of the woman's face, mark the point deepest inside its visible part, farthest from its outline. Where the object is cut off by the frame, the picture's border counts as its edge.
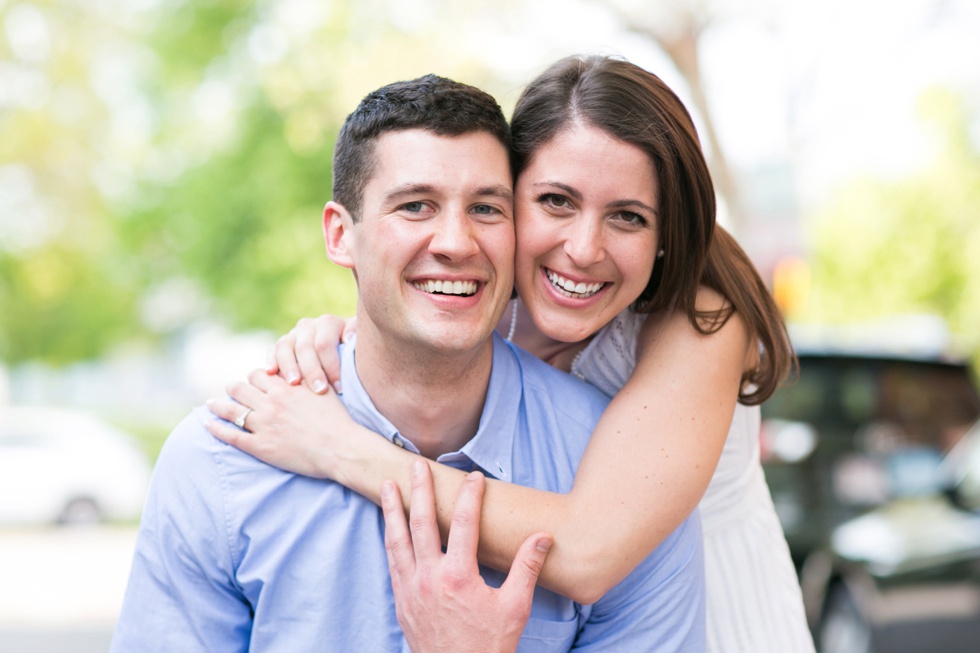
(586, 213)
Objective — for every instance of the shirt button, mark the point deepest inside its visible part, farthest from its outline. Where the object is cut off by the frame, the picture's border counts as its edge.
(398, 442)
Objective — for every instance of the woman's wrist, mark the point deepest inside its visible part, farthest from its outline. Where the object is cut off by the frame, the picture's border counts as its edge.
(364, 461)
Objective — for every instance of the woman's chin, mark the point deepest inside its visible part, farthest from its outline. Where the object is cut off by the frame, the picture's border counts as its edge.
(564, 330)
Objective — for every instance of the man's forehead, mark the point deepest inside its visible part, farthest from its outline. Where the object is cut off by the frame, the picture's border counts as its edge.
(422, 158)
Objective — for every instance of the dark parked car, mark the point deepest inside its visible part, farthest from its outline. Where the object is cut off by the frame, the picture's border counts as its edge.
(873, 460)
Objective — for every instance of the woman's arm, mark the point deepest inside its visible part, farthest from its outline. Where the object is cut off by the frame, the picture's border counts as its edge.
(645, 469)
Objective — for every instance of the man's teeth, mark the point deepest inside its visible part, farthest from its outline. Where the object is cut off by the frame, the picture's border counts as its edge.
(447, 287)
(572, 289)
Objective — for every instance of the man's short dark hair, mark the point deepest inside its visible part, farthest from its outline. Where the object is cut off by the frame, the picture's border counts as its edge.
(432, 103)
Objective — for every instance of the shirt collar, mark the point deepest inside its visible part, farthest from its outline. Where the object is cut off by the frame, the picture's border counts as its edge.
(491, 449)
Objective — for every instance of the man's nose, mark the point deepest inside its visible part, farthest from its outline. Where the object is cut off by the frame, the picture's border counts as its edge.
(454, 236)
(584, 243)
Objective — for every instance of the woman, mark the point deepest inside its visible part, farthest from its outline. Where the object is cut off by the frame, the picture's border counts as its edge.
(625, 281)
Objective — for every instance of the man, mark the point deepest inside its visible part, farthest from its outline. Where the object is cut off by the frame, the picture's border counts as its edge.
(236, 555)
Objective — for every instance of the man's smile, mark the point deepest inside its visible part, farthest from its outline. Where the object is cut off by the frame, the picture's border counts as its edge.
(447, 287)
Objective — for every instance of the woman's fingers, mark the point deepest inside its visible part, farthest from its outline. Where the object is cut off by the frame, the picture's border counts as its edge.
(284, 354)
(230, 412)
(329, 331)
(310, 369)
(350, 328)
(225, 408)
(227, 433)
(247, 394)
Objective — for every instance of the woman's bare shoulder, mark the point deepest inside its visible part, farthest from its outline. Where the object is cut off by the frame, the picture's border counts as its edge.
(674, 331)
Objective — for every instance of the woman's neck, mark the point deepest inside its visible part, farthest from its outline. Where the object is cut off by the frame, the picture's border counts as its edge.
(525, 334)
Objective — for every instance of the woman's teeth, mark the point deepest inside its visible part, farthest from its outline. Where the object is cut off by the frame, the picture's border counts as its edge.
(572, 289)
(447, 287)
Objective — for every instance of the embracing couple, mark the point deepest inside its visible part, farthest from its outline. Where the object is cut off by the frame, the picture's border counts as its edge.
(596, 435)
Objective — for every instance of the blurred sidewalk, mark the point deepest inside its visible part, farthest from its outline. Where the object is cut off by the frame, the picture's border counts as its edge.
(61, 588)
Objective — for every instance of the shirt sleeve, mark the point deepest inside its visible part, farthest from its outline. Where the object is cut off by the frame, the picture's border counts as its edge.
(182, 594)
(660, 606)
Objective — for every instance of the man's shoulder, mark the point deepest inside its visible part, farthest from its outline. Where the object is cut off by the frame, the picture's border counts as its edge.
(191, 448)
(190, 438)
(194, 462)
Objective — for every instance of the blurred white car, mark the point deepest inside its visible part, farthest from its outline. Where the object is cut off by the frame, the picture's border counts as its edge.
(59, 466)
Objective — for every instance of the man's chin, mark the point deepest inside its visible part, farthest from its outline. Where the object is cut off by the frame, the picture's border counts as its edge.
(455, 338)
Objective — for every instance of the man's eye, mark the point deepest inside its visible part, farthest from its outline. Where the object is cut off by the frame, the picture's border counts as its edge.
(413, 207)
(484, 209)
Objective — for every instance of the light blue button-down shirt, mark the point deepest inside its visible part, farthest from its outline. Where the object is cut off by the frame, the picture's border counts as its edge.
(235, 555)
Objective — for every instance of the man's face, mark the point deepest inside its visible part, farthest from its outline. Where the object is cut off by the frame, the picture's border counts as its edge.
(433, 252)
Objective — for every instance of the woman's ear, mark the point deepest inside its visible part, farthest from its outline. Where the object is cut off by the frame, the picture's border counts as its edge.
(337, 225)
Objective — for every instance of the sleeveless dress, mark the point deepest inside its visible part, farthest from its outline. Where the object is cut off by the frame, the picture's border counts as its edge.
(754, 603)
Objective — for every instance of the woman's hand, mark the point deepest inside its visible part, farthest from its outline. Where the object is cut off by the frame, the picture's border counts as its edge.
(309, 352)
(442, 602)
(286, 425)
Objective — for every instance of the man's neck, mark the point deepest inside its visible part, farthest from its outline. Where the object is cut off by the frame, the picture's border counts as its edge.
(435, 400)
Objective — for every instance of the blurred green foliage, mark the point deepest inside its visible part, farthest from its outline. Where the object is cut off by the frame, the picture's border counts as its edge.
(908, 245)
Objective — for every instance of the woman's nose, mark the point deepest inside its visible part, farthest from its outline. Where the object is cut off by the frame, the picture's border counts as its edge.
(583, 242)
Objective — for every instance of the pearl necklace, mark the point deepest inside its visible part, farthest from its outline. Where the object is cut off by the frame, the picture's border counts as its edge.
(513, 320)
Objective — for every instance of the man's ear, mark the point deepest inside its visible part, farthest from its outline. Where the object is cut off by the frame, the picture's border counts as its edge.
(337, 226)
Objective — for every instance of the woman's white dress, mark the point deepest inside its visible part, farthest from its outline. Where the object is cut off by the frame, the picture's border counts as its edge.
(754, 604)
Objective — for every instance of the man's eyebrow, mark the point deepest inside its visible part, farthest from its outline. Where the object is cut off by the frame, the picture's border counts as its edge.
(618, 204)
(406, 190)
(503, 192)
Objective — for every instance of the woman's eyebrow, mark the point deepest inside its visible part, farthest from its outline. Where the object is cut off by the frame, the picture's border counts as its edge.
(625, 204)
(565, 187)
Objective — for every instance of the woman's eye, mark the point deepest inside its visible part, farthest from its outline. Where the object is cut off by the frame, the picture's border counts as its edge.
(633, 219)
(555, 201)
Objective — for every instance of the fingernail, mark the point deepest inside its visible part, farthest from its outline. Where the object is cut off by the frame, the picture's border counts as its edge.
(543, 544)
(292, 378)
(339, 388)
(417, 467)
(319, 386)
